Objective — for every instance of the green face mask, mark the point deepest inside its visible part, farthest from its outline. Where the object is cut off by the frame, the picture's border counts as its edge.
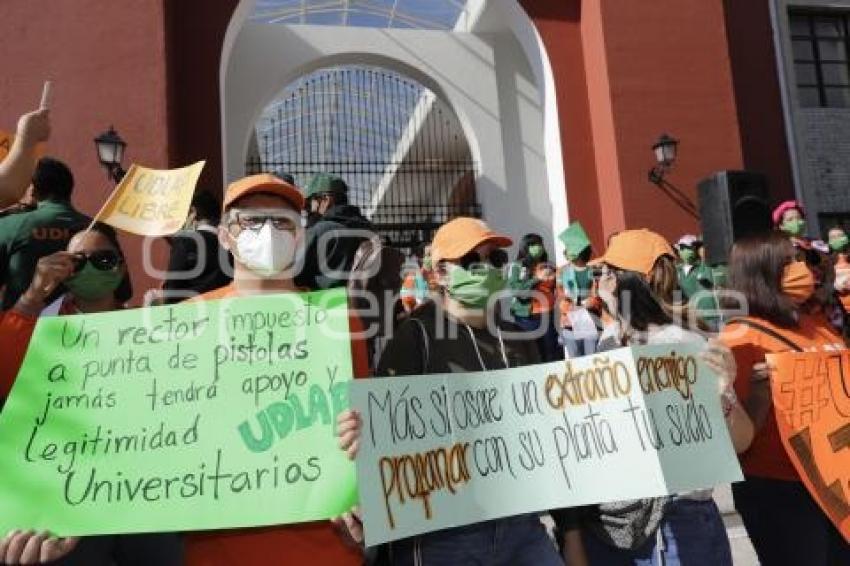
(839, 244)
(794, 227)
(535, 251)
(474, 289)
(688, 255)
(427, 263)
(91, 283)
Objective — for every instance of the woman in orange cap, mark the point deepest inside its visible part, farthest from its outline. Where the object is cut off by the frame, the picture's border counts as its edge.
(458, 333)
(637, 282)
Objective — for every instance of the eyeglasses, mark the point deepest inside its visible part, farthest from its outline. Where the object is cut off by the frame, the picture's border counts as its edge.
(255, 222)
(497, 258)
(102, 260)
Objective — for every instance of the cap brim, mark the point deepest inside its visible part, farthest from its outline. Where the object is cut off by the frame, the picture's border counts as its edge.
(289, 193)
(460, 250)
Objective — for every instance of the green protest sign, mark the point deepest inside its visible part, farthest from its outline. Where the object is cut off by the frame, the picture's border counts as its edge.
(441, 451)
(205, 415)
(574, 238)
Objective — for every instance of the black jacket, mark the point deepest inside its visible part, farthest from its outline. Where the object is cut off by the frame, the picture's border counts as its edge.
(339, 247)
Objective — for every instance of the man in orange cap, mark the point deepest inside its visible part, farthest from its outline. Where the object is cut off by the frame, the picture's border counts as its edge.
(456, 333)
(261, 226)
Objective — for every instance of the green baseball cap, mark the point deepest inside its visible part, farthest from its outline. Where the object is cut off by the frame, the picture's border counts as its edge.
(326, 183)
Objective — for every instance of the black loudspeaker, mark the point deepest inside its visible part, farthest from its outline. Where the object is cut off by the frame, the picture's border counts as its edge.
(732, 205)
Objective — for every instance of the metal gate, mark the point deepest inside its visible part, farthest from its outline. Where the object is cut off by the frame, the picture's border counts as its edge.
(401, 150)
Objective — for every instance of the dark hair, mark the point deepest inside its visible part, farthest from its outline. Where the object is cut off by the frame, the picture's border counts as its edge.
(207, 207)
(585, 254)
(52, 180)
(288, 177)
(756, 266)
(639, 306)
(124, 292)
(526, 242)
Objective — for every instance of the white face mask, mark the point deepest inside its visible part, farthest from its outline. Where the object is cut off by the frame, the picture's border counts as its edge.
(267, 252)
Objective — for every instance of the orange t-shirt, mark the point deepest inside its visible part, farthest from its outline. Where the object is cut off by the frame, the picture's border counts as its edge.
(15, 332)
(546, 287)
(309, 543)
(766, 456)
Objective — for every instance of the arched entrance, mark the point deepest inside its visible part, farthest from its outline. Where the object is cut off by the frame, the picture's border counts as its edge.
(400, 148)
(494, 76)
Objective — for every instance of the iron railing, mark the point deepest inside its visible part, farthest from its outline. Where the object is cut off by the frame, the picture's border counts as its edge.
(401, 150)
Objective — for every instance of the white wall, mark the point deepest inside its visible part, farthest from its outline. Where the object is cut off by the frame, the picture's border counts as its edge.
(485, 77)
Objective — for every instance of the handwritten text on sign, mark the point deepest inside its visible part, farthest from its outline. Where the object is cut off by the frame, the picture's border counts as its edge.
(198, 416)
(152, 202)
(811, 394)
(447, 450)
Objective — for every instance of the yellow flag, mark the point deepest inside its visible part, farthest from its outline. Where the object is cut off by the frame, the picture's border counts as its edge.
(151, 202)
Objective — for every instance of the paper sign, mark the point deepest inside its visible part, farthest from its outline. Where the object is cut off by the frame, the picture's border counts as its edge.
(8, 138)
(811, 396)
(197, 416)
(151, 202)
(441, 451)
(45, 95)
(574, 238)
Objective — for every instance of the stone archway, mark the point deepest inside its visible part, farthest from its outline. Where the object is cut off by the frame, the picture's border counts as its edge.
(497, 79)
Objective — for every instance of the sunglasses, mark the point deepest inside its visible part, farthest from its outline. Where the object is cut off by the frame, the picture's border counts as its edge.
(600, 271)
(102, 260)
(497, 258)
(255, 222)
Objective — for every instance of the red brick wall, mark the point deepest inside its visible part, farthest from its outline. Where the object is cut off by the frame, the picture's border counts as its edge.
(107, 64)
(668, 70)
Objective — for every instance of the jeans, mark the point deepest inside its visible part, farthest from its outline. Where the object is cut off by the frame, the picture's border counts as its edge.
(577, 347)
(514, 541)
(786, 526)
(691, 534)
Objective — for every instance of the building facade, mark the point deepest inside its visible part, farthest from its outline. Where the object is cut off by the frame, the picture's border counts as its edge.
(760, 85)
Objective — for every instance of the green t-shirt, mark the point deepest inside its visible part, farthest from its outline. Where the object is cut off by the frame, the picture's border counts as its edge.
(29, 236)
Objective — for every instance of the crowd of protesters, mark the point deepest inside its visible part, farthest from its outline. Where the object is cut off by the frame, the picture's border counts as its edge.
(462, 306)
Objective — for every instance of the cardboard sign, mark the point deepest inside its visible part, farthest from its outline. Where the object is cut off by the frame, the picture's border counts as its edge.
(811, 396)
(6, 139)
(197, 416)
(442, 451)
(151, 202)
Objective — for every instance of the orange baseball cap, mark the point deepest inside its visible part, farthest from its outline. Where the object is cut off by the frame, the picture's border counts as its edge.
(635, 250)
(264, 183)
(460, 236)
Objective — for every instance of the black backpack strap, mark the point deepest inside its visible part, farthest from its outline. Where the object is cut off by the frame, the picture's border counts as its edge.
(765, 330)
(426, 344)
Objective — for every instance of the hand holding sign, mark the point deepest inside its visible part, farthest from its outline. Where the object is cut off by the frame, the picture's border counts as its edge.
(440, 451)
(34, 127)
(188, 417)
(30, 547)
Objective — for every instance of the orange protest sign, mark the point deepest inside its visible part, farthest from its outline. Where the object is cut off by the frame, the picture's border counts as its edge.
(811, 394)
(8, 138)
(151, 202)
